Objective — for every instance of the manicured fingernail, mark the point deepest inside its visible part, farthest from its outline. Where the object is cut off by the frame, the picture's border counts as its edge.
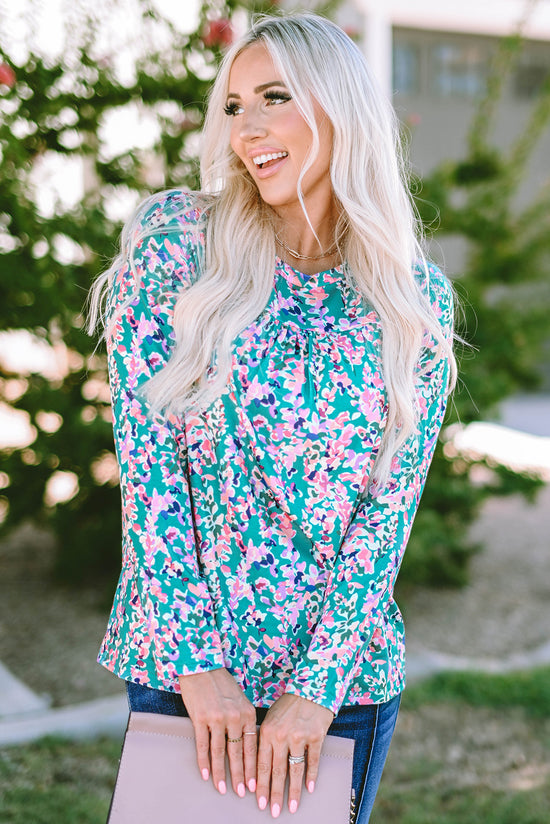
(222, 788)
(293, 806)
(241, 790)
(311, 786)
(275, 811)
(252, 785)
(262, 802)
(205, 774)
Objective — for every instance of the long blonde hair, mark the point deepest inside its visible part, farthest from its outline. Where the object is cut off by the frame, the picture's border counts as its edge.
(315, 59)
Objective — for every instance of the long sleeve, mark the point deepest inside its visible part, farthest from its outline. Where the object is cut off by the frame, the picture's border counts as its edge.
(157, 518)
(361, 586)
(240, 548)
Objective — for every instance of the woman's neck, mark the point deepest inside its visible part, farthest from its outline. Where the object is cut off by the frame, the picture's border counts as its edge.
(319, 263)
(307, 250)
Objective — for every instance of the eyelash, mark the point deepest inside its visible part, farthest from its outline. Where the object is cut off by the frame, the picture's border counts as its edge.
(277, 96)
(232, 109)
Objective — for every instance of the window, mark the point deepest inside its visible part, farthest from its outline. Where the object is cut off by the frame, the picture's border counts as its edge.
(406, 68)
(458, 70)
(529, 79)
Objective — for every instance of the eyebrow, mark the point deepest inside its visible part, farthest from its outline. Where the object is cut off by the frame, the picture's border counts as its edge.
(261, 88)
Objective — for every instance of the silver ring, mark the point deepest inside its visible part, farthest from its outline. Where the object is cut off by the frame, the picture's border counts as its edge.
(250, 733)
(296, 759)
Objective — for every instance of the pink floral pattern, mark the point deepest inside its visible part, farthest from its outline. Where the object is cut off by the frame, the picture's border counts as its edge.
(250, 539)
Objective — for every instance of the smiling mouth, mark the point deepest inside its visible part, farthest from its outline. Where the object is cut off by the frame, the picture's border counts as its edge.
(266, 160)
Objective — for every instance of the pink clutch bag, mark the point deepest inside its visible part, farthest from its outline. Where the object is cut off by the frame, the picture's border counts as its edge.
(158, 781)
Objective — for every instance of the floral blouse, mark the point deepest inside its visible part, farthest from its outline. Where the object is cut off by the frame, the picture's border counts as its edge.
(250, 538)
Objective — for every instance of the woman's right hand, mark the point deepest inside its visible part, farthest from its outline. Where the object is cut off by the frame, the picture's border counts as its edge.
(220, 711)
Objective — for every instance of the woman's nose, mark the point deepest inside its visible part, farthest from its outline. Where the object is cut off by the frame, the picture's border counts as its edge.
(251, 125)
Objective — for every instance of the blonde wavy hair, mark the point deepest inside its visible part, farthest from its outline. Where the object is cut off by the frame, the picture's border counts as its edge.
(381, 232)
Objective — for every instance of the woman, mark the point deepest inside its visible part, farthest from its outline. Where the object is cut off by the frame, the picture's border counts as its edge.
(279, 359)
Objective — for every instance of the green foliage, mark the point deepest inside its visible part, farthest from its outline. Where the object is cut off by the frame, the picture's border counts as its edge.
(58, 109)
(529, 690)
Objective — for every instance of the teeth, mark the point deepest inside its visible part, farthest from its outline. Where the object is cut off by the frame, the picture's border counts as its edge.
(259, 160)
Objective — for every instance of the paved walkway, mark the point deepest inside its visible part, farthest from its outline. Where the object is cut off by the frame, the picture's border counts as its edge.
(25, 716)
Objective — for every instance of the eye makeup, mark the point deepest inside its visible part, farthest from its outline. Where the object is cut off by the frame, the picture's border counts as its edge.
(274, 95)
(232, 107)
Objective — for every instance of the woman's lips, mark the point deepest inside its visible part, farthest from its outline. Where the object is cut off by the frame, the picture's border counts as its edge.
(270, 168)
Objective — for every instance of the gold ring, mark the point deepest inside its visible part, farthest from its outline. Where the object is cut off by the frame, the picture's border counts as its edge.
(234, 740)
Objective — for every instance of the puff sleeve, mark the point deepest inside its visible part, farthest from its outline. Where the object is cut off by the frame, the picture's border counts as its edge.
(157, 514)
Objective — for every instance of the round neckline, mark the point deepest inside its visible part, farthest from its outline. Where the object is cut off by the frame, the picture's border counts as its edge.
(303, 276)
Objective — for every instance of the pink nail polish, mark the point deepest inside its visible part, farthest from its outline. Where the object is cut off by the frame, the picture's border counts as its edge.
(262, 802)
(205, 774)
(252, 785)
(311, 786)
(293, 806)
(275, 811)
(241, 791)
(222, 788)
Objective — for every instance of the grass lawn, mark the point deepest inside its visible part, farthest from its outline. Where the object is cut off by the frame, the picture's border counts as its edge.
(469, 749)
(529, 690)
(57, 782)
(475, 806)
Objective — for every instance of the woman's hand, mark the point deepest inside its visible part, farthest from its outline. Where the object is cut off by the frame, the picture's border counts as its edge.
(291, 726)
(220, 711)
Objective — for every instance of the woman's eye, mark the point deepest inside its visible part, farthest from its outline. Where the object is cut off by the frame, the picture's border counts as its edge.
(276, 98)
(272, 99)
(231, 109)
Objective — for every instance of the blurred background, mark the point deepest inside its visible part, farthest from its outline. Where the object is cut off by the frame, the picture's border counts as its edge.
(101, 103)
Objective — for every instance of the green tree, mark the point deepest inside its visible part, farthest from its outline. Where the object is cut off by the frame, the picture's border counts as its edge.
(55, 112)
(58, 109)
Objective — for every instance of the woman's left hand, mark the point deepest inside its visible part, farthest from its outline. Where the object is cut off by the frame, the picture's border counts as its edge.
(292, 726)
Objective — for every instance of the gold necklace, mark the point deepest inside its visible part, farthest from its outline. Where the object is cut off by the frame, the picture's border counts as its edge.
(298, 256)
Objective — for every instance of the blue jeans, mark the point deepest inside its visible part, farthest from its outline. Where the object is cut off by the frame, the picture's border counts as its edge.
(371, 725)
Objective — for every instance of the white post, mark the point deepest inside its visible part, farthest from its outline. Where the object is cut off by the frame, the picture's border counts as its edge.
(377, 40)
